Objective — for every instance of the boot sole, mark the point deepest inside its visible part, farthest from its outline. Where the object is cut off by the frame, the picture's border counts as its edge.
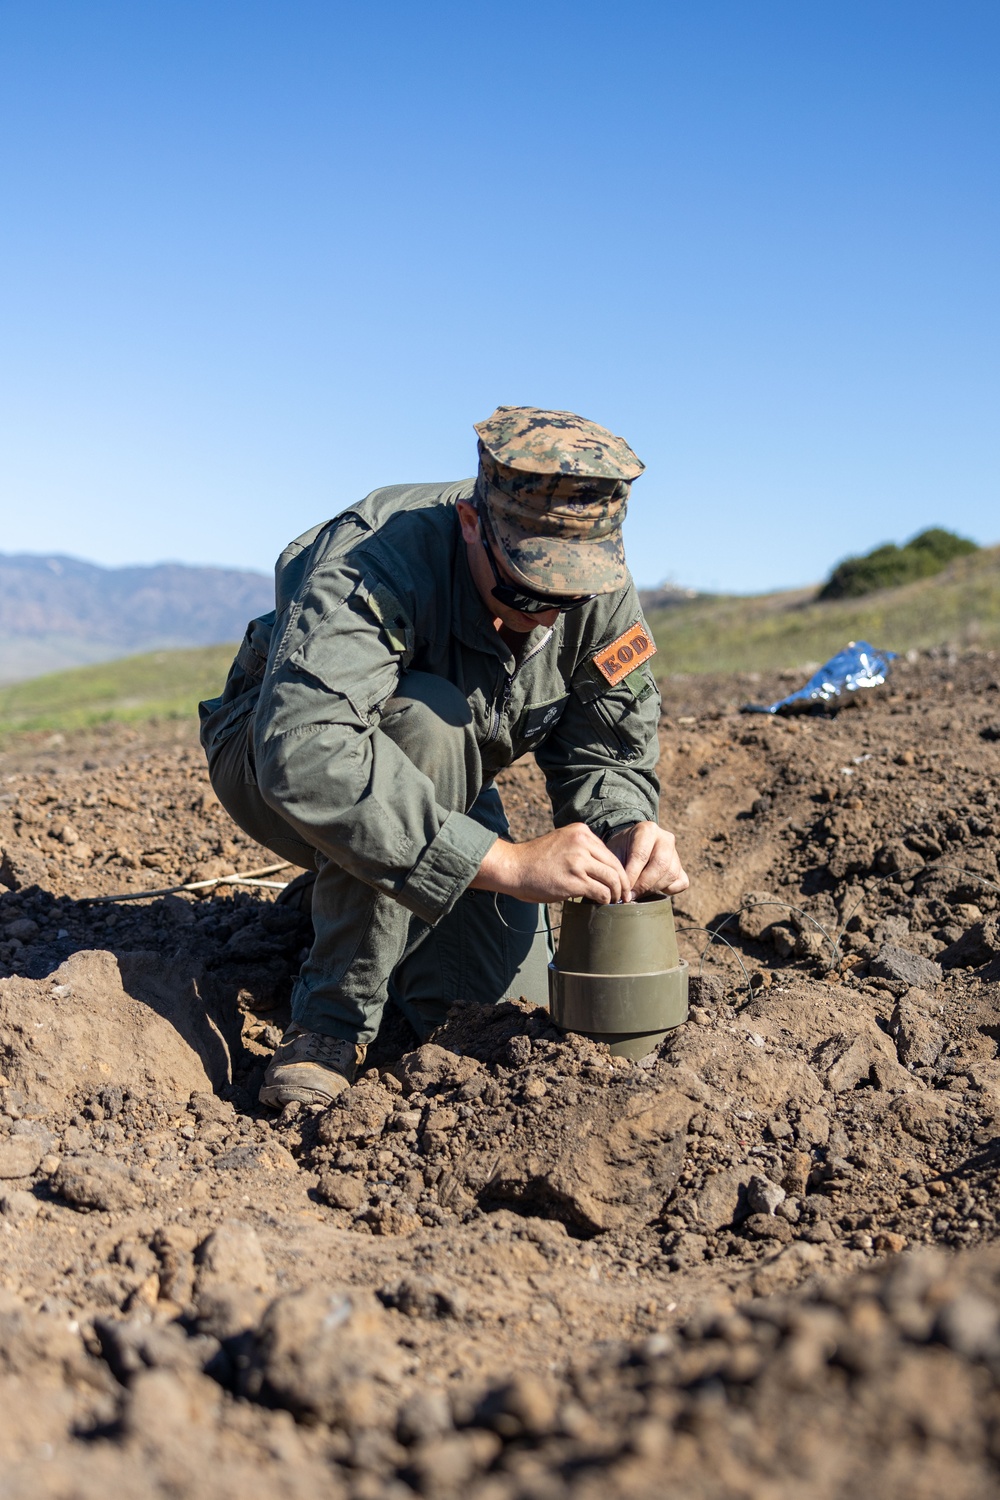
(279, 1094)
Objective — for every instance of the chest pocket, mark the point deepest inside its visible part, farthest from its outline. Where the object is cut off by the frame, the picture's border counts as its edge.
(538, 722)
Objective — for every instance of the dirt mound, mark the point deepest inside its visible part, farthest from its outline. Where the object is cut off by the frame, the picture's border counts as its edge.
(505, 1264)
(104, 1023)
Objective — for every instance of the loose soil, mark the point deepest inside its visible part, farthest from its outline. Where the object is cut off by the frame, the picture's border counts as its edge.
(761, 1263)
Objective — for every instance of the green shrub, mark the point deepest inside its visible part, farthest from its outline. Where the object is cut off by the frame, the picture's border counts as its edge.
(887, 567)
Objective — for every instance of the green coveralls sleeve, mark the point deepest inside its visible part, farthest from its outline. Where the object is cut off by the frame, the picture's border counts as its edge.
(322, 762)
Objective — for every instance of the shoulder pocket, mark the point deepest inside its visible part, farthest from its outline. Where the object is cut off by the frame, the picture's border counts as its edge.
(359, 648)
(611, 708)
(387, 610)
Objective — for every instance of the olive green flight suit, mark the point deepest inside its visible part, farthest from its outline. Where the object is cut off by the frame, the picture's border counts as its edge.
(360, 730)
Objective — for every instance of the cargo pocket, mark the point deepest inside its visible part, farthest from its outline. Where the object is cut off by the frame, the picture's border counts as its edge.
(611, 711)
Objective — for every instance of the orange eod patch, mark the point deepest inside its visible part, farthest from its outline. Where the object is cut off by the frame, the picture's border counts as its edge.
(626, 653)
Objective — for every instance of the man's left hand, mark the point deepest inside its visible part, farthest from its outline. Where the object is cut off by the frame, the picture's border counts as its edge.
(650, 857)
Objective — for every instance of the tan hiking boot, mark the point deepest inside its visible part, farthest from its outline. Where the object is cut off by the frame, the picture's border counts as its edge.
(309, 1068)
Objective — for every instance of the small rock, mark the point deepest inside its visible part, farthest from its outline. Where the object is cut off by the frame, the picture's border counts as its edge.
(820, 1233)
(797, 1170)
(719, 1201)
(18, 1206)
(845, 1061)
(763, 1196)
(391, 1220)
(323, 1355)
(20, 1155)
(758, 913)
(232, 1254)
(95, 1182)
(517, 1052)
(360, 1114)
(812, 945)
(340, 1190)
(423, 1297)
(892, 962)
(524, 1406)
(764, 1226)
(783, 938)
(887, 1243)
(445, 1465)
(970, 1325)
(980, 945)
(431, 1067)
(22, 930)
(706, 989)
(918, 1037)
(425, 1415)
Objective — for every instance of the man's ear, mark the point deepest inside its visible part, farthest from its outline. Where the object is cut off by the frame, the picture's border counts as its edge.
(468, 518)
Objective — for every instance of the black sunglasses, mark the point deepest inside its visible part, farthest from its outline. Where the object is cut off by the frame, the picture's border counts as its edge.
(523, 600)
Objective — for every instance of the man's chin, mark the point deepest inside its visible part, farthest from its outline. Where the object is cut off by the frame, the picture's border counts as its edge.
(525, 622)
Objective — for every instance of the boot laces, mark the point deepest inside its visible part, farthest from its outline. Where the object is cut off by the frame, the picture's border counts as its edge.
(329, 1051)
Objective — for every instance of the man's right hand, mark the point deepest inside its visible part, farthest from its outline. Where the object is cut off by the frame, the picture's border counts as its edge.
(571, 861)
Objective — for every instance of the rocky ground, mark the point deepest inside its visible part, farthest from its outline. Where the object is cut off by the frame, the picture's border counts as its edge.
(763, 1263)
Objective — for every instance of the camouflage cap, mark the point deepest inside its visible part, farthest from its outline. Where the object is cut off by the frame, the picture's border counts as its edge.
(556, 487)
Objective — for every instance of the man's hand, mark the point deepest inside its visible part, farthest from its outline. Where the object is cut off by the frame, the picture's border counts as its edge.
(650, 857)
(572, 861)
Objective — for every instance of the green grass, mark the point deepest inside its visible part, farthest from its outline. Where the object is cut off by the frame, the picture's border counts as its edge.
(761, 633)
(160, 685)
(768, 632)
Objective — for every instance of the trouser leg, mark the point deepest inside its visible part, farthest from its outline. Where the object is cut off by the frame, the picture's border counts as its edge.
(486, 949)
(231, 774)
(363, 937)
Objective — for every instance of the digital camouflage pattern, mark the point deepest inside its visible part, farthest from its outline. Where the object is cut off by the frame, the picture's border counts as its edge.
(548, 445)
(556, 487)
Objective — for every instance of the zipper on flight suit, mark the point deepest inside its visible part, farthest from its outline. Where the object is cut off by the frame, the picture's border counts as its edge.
(625, 751)
(500, 702)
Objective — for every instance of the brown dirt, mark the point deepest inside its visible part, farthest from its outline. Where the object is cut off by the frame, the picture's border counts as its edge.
(762, 1263)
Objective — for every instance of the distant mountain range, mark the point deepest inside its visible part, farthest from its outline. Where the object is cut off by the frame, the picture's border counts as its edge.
(58, 612)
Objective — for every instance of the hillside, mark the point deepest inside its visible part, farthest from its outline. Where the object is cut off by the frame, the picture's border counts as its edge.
(161, 684)
(763, 633)
(58, 612)
(767, 632)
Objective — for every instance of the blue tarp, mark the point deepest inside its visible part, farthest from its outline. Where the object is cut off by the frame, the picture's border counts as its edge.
(859, 665)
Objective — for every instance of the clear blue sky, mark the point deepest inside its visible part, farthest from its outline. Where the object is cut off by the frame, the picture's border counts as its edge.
(258, 257)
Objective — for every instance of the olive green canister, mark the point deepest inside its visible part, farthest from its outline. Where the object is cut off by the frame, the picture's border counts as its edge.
(617, 976)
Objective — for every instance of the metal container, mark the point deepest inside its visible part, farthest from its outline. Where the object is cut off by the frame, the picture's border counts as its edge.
(617, 976)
